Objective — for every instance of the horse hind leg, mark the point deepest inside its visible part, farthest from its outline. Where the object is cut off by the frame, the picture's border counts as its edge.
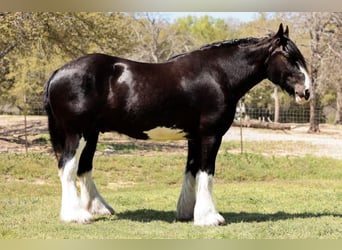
(71, 209)
(91, 199)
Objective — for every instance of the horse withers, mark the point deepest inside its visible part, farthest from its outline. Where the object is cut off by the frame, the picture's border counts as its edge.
(196, 92)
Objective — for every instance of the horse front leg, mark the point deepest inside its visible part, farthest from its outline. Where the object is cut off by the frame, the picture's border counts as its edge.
(187, 198)
(205, 213)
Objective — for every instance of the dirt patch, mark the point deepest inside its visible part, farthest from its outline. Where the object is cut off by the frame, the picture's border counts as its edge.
(13, 134)
(327, 143)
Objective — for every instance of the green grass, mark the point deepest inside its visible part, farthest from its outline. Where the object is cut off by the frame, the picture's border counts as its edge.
(260, 196)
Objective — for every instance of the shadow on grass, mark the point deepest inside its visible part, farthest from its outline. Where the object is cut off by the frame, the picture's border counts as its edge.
(148, 215)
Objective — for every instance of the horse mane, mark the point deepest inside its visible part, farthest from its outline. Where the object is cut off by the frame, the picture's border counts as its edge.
(226, 43)
(289, 47)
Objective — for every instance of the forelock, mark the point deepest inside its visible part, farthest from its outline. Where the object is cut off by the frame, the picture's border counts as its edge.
(294, 53)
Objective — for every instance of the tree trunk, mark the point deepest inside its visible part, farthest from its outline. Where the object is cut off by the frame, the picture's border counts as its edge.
(338, 118)
(314, 120)
(314, 116)
(276, 104)
(315, 65)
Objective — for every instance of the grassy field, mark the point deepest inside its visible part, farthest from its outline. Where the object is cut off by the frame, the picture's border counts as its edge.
(261, 196)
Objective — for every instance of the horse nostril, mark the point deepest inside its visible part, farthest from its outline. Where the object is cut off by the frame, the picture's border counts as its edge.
(307, 94)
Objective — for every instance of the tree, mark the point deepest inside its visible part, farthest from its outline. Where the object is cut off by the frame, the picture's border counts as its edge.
(325, 44)
(205, 29)
(155, 38)
(32, 45)
(159, 40)
(315, 42)
(331, 61)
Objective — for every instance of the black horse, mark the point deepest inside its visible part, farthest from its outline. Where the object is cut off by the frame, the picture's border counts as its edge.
(195, 92)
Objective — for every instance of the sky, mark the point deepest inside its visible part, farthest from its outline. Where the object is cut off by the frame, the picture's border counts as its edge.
(239, 16)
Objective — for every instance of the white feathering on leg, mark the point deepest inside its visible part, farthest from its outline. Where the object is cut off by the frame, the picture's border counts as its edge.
(71, 207)
(90, 197)
(205, 213)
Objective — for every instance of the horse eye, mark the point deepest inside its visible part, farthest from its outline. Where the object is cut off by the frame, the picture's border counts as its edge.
(297, 65)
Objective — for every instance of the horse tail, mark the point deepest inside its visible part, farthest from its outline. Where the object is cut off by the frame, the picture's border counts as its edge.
(56, 136)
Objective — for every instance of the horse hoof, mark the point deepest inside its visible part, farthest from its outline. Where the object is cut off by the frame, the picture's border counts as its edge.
(214, 219)
(103, 211)
(79, 216)
(100, 207)
(184, 218)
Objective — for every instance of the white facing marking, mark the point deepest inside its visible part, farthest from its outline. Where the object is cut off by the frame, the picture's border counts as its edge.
(187, 198)
(307, 82)
(205, 213)
(71, 207)
(91, 200)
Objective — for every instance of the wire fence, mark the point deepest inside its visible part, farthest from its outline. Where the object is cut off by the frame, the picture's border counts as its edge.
(25, 133)
(299, 114)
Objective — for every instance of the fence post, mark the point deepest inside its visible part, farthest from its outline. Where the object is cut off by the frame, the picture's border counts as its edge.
(25, 122)
(240, 116)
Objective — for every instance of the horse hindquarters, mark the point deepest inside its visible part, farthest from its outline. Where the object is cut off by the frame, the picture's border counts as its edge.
(75, 155)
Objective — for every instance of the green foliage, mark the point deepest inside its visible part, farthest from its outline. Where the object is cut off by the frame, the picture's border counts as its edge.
(260, 96)
(329, 99)
(43, 41)
(205, 29)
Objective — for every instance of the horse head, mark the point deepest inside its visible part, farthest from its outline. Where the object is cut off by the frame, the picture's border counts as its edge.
(286, 66)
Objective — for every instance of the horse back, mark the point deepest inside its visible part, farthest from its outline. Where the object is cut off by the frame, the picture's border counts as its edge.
(102, 92)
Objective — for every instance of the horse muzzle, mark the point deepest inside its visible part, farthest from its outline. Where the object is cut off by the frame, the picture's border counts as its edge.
(303, 97)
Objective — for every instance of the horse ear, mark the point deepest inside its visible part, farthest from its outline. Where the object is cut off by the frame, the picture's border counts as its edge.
(286, 32)
(280, 32)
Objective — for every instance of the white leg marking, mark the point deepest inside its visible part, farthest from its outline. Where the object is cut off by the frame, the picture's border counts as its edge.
(91, 200)
(205, 213)
(71, 207)
(187, 199)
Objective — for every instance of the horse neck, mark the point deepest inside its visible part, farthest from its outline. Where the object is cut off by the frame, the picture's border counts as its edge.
(250, 71)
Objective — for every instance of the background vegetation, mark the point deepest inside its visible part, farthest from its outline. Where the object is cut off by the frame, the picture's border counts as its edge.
(32, 45)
